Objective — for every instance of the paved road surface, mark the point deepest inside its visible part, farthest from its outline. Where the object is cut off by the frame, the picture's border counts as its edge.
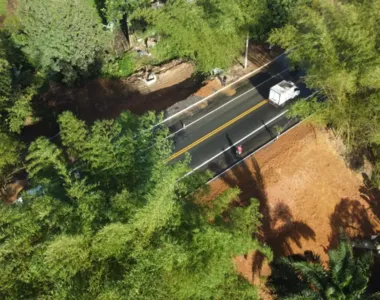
(246, 118)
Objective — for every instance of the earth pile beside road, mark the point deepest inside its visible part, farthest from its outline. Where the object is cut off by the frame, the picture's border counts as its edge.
(306, 193)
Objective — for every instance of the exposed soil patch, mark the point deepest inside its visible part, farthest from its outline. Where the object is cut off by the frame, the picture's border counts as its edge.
(259, 54)
(102, 98)
(11, 5)
(213, 86)
(10, 193)
(306, 194)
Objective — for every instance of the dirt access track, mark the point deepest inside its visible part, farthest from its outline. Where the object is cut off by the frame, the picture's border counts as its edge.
(306, 194)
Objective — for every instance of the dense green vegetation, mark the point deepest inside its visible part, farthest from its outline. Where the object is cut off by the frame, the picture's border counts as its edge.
(72, 40)
(18, 85)
(211, 33)
(64, 38)
(338, 45)
(3, 7)
(117, 224)
(346, 276)
(105, 217)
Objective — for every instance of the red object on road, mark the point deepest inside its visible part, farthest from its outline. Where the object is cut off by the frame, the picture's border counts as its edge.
(239, 149)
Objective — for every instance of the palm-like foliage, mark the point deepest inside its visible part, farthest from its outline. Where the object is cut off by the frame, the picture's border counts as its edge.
(346, 277)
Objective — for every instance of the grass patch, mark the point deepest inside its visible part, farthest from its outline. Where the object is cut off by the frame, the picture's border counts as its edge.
(3, 7)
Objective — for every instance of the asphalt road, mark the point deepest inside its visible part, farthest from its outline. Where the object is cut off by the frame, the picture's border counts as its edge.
(246, 118)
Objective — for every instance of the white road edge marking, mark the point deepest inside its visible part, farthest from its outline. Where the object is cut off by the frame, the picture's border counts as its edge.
(217, 92)
(225, 104)
(238, 142)
(254, 152)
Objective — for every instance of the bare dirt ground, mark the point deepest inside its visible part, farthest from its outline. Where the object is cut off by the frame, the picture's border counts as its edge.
(213, 86)
(104, 98)
(10, 193)
(306, 194)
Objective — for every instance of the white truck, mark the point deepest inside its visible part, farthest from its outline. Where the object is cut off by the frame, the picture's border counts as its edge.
(283, 92)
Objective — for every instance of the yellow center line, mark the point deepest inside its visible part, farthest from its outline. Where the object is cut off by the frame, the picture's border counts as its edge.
(215, 131)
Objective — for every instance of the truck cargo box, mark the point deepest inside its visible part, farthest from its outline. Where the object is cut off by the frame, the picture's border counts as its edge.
(282, 92)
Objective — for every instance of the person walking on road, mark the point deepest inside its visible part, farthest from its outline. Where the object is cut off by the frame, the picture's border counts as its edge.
(224, 80)
(239, 150)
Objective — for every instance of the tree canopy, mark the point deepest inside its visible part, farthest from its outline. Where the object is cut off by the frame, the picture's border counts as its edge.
(63, 38)
(105, 217)
(338, 45)
(108, 219)
(18, 85)
(212, 33)
(346, 276)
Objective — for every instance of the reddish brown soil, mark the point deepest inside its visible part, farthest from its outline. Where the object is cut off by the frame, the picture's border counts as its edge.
(213, 86)
(10, 194)
(306, 194)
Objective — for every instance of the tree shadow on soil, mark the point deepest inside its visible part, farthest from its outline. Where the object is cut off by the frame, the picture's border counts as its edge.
(353, 218)
(103, 99)
(371, 195)
(279, 230)
(259, 54)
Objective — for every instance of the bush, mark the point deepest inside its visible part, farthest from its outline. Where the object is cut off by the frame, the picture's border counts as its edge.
(120, 67)
(3, 7)
(126, 65)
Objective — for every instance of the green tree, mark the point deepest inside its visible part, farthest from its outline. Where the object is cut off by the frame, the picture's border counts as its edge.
(10, 160)
(279, 11)
(107, 217)
(64, 38)
(346, 276)
(116, 10)
(5, 82)
(18, 85)
(66, 256)
(337, 44)
(211, 33)
(16, 92)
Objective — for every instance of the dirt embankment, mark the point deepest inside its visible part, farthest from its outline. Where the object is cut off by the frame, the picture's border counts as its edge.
(104, 98)
(306, 194)
(176, 81)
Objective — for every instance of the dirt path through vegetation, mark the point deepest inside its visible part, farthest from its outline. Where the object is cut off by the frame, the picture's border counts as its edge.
(306, 194)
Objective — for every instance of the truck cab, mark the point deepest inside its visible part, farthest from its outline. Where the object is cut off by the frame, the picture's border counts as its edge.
(282, 92)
